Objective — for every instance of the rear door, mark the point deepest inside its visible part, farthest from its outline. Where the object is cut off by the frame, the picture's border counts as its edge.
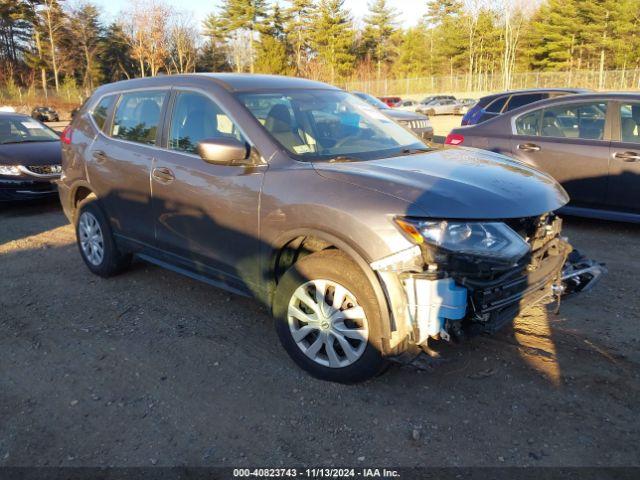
(119, 165)
(571, 142)
(624, 173)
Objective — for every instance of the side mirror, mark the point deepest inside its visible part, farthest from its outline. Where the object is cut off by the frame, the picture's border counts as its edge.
(222, 151)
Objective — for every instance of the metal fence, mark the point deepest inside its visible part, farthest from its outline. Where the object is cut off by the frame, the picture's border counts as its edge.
(591, 79)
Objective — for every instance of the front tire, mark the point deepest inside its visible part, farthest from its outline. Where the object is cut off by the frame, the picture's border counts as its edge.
(328, 318)
(95, 241)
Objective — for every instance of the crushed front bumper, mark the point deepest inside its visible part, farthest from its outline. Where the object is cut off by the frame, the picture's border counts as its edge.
(436, 304)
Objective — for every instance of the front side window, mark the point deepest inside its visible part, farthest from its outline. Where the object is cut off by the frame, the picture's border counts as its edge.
(326, 124)
(137, 117)
(100, 111)
(575, 120)
(196, 117)
(630, 122)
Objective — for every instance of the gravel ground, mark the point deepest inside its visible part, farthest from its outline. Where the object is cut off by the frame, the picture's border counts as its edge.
(151, 368)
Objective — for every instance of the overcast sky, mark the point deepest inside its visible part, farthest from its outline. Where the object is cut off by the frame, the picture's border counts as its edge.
(409, 11)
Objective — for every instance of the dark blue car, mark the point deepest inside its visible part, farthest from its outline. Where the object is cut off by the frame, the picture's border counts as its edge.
(493, 105)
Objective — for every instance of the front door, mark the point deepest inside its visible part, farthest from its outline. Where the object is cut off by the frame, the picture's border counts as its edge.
(624, 172)
(206, 216)
(568, 141)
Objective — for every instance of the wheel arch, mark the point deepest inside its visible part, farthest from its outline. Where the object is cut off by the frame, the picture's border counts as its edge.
(289, 244)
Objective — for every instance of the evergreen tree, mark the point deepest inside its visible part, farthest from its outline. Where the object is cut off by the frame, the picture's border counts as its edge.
(333, 39)
(213, 55)
(84, 34)
(116, 61)
(273, 51)
(411, 53)
(299, 31)
(244, 16)
(380, 25)
(553, 35)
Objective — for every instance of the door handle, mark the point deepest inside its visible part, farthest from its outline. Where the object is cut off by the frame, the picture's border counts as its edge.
(163, 175)
(627, 156)
(99, 156)
(529, 147)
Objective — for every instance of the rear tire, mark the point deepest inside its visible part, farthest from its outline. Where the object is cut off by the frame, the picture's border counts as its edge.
(95, 241)
(340, 339)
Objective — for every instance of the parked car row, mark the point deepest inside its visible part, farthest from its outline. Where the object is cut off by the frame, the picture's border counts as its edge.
(415, 122)
(364, 242)
(432, 105)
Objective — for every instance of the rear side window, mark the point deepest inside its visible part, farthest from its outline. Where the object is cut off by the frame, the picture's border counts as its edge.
(630, 122)
(497, 104)
(529, 124)
(137, 117)
(576, 120)
(101, 110)
(520, 100)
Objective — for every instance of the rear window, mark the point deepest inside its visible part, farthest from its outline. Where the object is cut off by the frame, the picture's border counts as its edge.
(497, 104)
(137, 116)
(101, 110)
(520, 100)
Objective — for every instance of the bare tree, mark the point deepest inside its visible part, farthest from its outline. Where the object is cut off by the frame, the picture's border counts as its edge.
(513, 17)
(52, 18)
(146, 26)
(183, 38)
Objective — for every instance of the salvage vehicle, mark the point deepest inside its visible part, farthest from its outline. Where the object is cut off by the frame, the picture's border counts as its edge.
(590, 143)
(364, 242)
(29, 158)
(416, 122)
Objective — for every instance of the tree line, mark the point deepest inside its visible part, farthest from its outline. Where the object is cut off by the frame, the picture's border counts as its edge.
(56, 45)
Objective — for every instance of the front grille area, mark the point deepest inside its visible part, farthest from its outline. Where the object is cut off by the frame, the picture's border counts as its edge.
(418, 124)
(45, 169)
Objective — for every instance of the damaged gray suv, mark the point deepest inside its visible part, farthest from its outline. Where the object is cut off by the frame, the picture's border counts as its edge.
(364, 242)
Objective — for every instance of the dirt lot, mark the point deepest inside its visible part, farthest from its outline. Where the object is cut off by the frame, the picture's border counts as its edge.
(151, 368)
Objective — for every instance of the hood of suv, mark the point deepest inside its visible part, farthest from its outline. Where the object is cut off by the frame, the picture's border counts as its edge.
(455, 183)
(403, 115)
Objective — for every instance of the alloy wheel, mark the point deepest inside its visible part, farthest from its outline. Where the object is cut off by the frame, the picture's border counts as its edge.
(91, 238)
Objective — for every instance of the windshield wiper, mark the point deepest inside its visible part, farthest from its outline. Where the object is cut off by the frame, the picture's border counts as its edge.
(27, 141)
(414, 151)
(343, 158)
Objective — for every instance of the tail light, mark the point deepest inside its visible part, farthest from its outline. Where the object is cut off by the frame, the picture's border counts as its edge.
(454, 139)
(66, 135)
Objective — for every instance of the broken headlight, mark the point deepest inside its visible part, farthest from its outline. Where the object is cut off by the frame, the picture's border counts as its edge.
(490, 240)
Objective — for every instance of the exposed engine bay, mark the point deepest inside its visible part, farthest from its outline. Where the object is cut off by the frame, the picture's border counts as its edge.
(450, 295)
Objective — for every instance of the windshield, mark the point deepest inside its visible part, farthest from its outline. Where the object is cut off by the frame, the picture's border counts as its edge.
(329, 125)
(24, 129)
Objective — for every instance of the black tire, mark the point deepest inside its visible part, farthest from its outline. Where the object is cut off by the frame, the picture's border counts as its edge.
(113, 261)
(337, 267)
